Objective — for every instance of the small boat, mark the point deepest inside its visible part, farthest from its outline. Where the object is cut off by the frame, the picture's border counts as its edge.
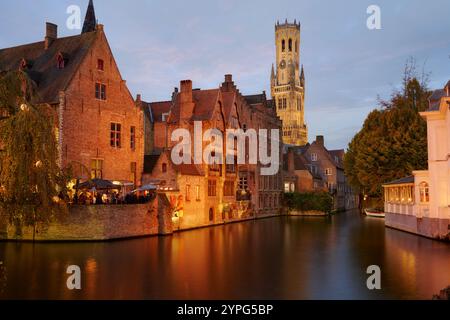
(374, 213)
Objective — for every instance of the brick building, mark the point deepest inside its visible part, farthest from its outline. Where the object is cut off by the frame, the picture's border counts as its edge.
(297, 174)
(257, 112)
(214, 193)
(100, 128)
(328, 166)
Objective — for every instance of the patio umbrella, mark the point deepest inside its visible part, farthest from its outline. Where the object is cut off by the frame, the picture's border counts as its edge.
(98, 184)
(147, 187)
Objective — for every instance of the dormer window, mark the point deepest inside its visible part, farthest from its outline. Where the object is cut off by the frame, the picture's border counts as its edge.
(100, 65)
(61, 61)
(25, 64)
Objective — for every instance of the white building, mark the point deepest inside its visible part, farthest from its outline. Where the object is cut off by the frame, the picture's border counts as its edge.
(421, 203)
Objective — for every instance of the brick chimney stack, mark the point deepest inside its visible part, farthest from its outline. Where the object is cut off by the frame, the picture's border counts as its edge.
(291, 163)
(320, 140)
(51, 34)
(228, 85)
(186, 99)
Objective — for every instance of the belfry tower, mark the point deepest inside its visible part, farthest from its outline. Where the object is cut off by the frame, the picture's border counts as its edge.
(287, 84)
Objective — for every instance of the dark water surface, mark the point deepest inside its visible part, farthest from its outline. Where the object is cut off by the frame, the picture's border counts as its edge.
(276, 258)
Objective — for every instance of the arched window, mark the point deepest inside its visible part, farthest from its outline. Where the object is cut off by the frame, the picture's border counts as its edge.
(290, 45)
(211, 214)
(283, 45)
(424, 192)
(164, 167)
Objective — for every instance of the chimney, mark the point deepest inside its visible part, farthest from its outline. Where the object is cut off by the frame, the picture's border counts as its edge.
(186, 100)
(228, 85)
(320, 140)
(291, 165)
(138, 98)
(51, 34)
(174, 94)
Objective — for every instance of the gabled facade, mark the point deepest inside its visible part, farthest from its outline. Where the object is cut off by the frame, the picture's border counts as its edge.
(326, 167)
(100, 129)
(228, 191)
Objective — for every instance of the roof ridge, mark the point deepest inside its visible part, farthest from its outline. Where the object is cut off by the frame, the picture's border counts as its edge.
(41, 42)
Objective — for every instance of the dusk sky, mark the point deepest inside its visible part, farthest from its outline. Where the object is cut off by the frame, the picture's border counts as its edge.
(159, 43)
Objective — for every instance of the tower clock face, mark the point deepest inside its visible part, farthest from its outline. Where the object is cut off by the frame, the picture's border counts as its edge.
(282, 64)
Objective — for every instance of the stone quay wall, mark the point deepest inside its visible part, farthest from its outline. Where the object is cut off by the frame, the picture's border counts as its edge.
(428, 227)
(97, 223)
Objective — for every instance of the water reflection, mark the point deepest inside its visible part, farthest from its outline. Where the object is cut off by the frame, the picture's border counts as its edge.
(279, 258)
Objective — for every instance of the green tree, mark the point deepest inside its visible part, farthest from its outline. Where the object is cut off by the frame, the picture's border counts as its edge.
(30, 178)
(393, 140)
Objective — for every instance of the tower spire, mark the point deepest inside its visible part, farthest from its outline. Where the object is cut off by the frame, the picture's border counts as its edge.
(90, 22)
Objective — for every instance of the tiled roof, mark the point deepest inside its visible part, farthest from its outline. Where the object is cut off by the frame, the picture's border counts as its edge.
(150, 162)
(158, 109)
(205, 101)
(189, 169)
(255, 98)
(228, 100)
(339, 154)
(435, 99)
(409, 179)
(42, 66)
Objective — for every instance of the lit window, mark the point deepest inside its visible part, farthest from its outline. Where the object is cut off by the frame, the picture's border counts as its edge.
(292, 187)
(424, 192)
(197, 192)
(100, 91)
(96, 169)
(116, 135)
(328, 171)
(133, 172)
(188, 192)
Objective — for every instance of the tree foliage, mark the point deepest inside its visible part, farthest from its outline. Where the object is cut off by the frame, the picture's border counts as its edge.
(308, 201)
(393, 140)
(30, 178)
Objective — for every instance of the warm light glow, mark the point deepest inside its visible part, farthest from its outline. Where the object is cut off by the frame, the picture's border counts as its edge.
(24, 107)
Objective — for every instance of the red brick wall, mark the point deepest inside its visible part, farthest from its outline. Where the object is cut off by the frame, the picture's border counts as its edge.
(86, 121)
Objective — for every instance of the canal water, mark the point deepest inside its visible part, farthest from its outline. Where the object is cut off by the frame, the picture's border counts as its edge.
(274, 258)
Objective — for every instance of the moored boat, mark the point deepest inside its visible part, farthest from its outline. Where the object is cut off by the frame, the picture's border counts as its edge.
(374, 213)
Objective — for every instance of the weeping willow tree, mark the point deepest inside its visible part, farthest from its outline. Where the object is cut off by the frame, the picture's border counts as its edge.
(30, 178)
